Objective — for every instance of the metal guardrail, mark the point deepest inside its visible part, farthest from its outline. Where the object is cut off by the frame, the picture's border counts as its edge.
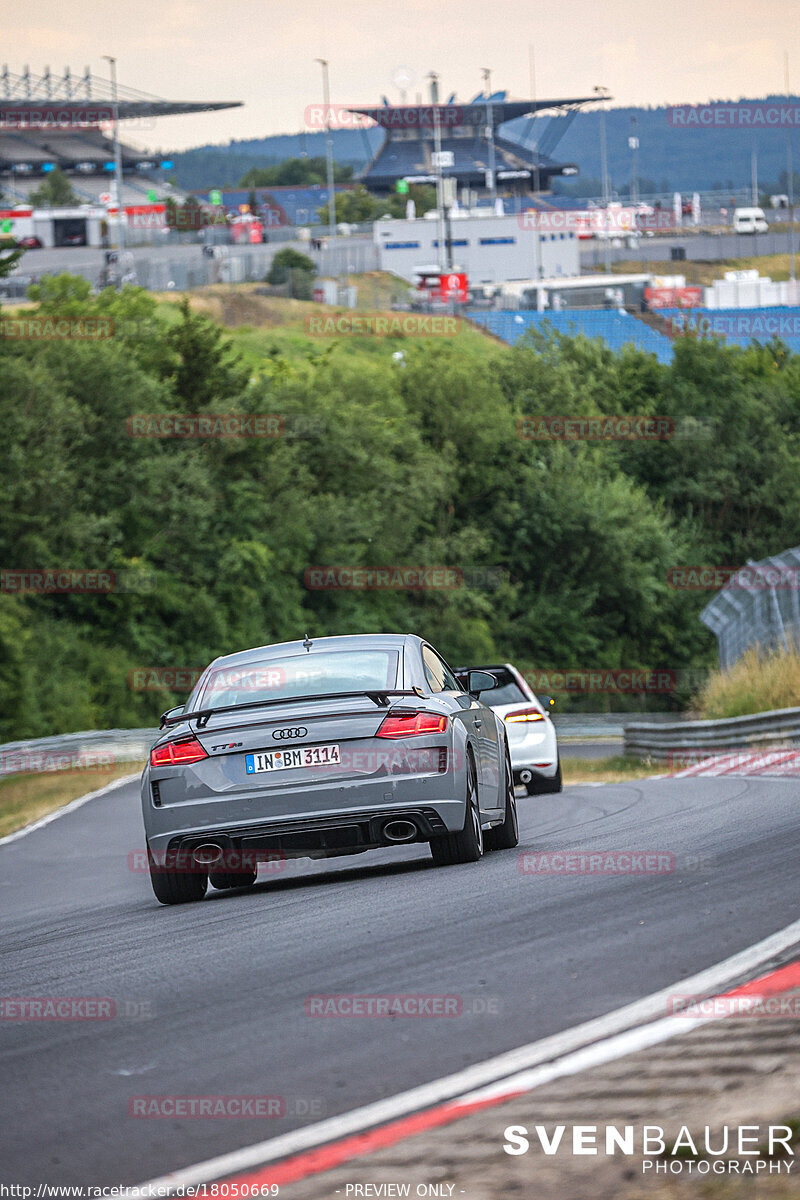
(778, 728)
(589, 726)
(104, 747)
(76, 751)
(656, 735)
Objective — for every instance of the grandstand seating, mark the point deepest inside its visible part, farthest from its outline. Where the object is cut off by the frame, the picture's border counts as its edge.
(88, 188)
(79, 147)
(616, 329)
(300, 204)
(400, 157)
(15, 148)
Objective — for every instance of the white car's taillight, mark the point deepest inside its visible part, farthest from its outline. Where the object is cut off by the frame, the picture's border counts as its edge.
(523, 715)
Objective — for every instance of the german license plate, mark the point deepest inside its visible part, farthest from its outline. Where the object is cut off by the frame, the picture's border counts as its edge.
(281, 760)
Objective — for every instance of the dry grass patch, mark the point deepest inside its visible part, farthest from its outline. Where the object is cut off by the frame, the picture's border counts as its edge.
(758, 682)
(26, 798)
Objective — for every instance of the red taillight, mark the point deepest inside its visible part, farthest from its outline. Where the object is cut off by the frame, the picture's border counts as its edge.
(524, 714)
(173, 754)
(411, 725)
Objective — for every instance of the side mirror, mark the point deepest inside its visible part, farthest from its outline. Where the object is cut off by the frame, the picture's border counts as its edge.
(480, 681)
(171, 712)
(546, 702)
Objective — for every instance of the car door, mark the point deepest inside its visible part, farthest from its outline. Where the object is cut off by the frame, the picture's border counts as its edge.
(475, 717)
(492, 752)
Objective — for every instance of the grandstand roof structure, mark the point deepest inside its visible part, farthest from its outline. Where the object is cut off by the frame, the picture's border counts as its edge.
(49, 101)
(519, 160)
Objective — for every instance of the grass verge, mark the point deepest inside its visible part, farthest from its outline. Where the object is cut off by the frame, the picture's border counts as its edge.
(614, 769)
(705, 271)
(26, 798)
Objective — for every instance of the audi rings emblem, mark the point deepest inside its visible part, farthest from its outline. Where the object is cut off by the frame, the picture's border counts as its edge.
(290, 735)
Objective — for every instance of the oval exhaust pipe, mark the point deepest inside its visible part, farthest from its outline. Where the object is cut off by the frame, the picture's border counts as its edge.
(400, 831)
(526, 776)
(208, 854)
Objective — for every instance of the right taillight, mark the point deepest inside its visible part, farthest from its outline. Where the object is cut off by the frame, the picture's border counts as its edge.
(524, 714)
(175, 754)
(402, 725)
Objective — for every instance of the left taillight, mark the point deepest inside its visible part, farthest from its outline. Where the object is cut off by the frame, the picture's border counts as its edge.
(522, 715)
(174, 754)
(400, 725)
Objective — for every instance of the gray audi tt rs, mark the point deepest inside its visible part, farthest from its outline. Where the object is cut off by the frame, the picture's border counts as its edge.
(321, 748)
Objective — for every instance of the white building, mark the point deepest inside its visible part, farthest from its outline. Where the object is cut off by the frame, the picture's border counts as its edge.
(490, 249)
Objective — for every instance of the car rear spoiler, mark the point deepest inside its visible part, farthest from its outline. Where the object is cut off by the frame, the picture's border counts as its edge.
(379, 696)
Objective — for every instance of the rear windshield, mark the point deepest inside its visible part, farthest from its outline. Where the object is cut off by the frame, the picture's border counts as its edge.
(316, 674)
(509, 691)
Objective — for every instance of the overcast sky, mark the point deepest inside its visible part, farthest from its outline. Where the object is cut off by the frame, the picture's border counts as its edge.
(262, 51)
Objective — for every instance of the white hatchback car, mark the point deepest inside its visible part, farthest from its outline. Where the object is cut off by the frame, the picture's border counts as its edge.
(531, 734)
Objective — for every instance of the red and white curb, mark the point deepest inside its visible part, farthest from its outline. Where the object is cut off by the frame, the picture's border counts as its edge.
(309, 1151)
(778, 763)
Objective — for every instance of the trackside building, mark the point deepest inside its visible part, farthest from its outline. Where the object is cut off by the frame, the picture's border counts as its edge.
(490, 249)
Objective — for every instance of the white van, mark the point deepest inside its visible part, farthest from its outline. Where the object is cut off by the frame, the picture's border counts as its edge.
(749, 220)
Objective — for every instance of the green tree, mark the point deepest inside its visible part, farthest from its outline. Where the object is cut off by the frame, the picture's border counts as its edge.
(294, 269)
(55, 191)
(211, 540)
(297, 172)
(358, 205)
(207, 370)
(9, 259)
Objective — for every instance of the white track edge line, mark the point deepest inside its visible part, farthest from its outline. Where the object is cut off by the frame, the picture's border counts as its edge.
(622, 1044)
(73, 804)
(497, 1071)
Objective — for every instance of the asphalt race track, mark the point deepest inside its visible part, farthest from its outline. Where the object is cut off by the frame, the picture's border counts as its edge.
(211, 997)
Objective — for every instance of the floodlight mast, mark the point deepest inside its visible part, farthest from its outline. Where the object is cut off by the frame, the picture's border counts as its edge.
(487, 83)
(437, 156)
(117, 152)
(328, 147)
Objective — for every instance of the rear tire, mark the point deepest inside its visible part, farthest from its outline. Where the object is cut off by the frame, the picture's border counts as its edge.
(506, 836)
(176, 886)
(466, 845)
(224, 880)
